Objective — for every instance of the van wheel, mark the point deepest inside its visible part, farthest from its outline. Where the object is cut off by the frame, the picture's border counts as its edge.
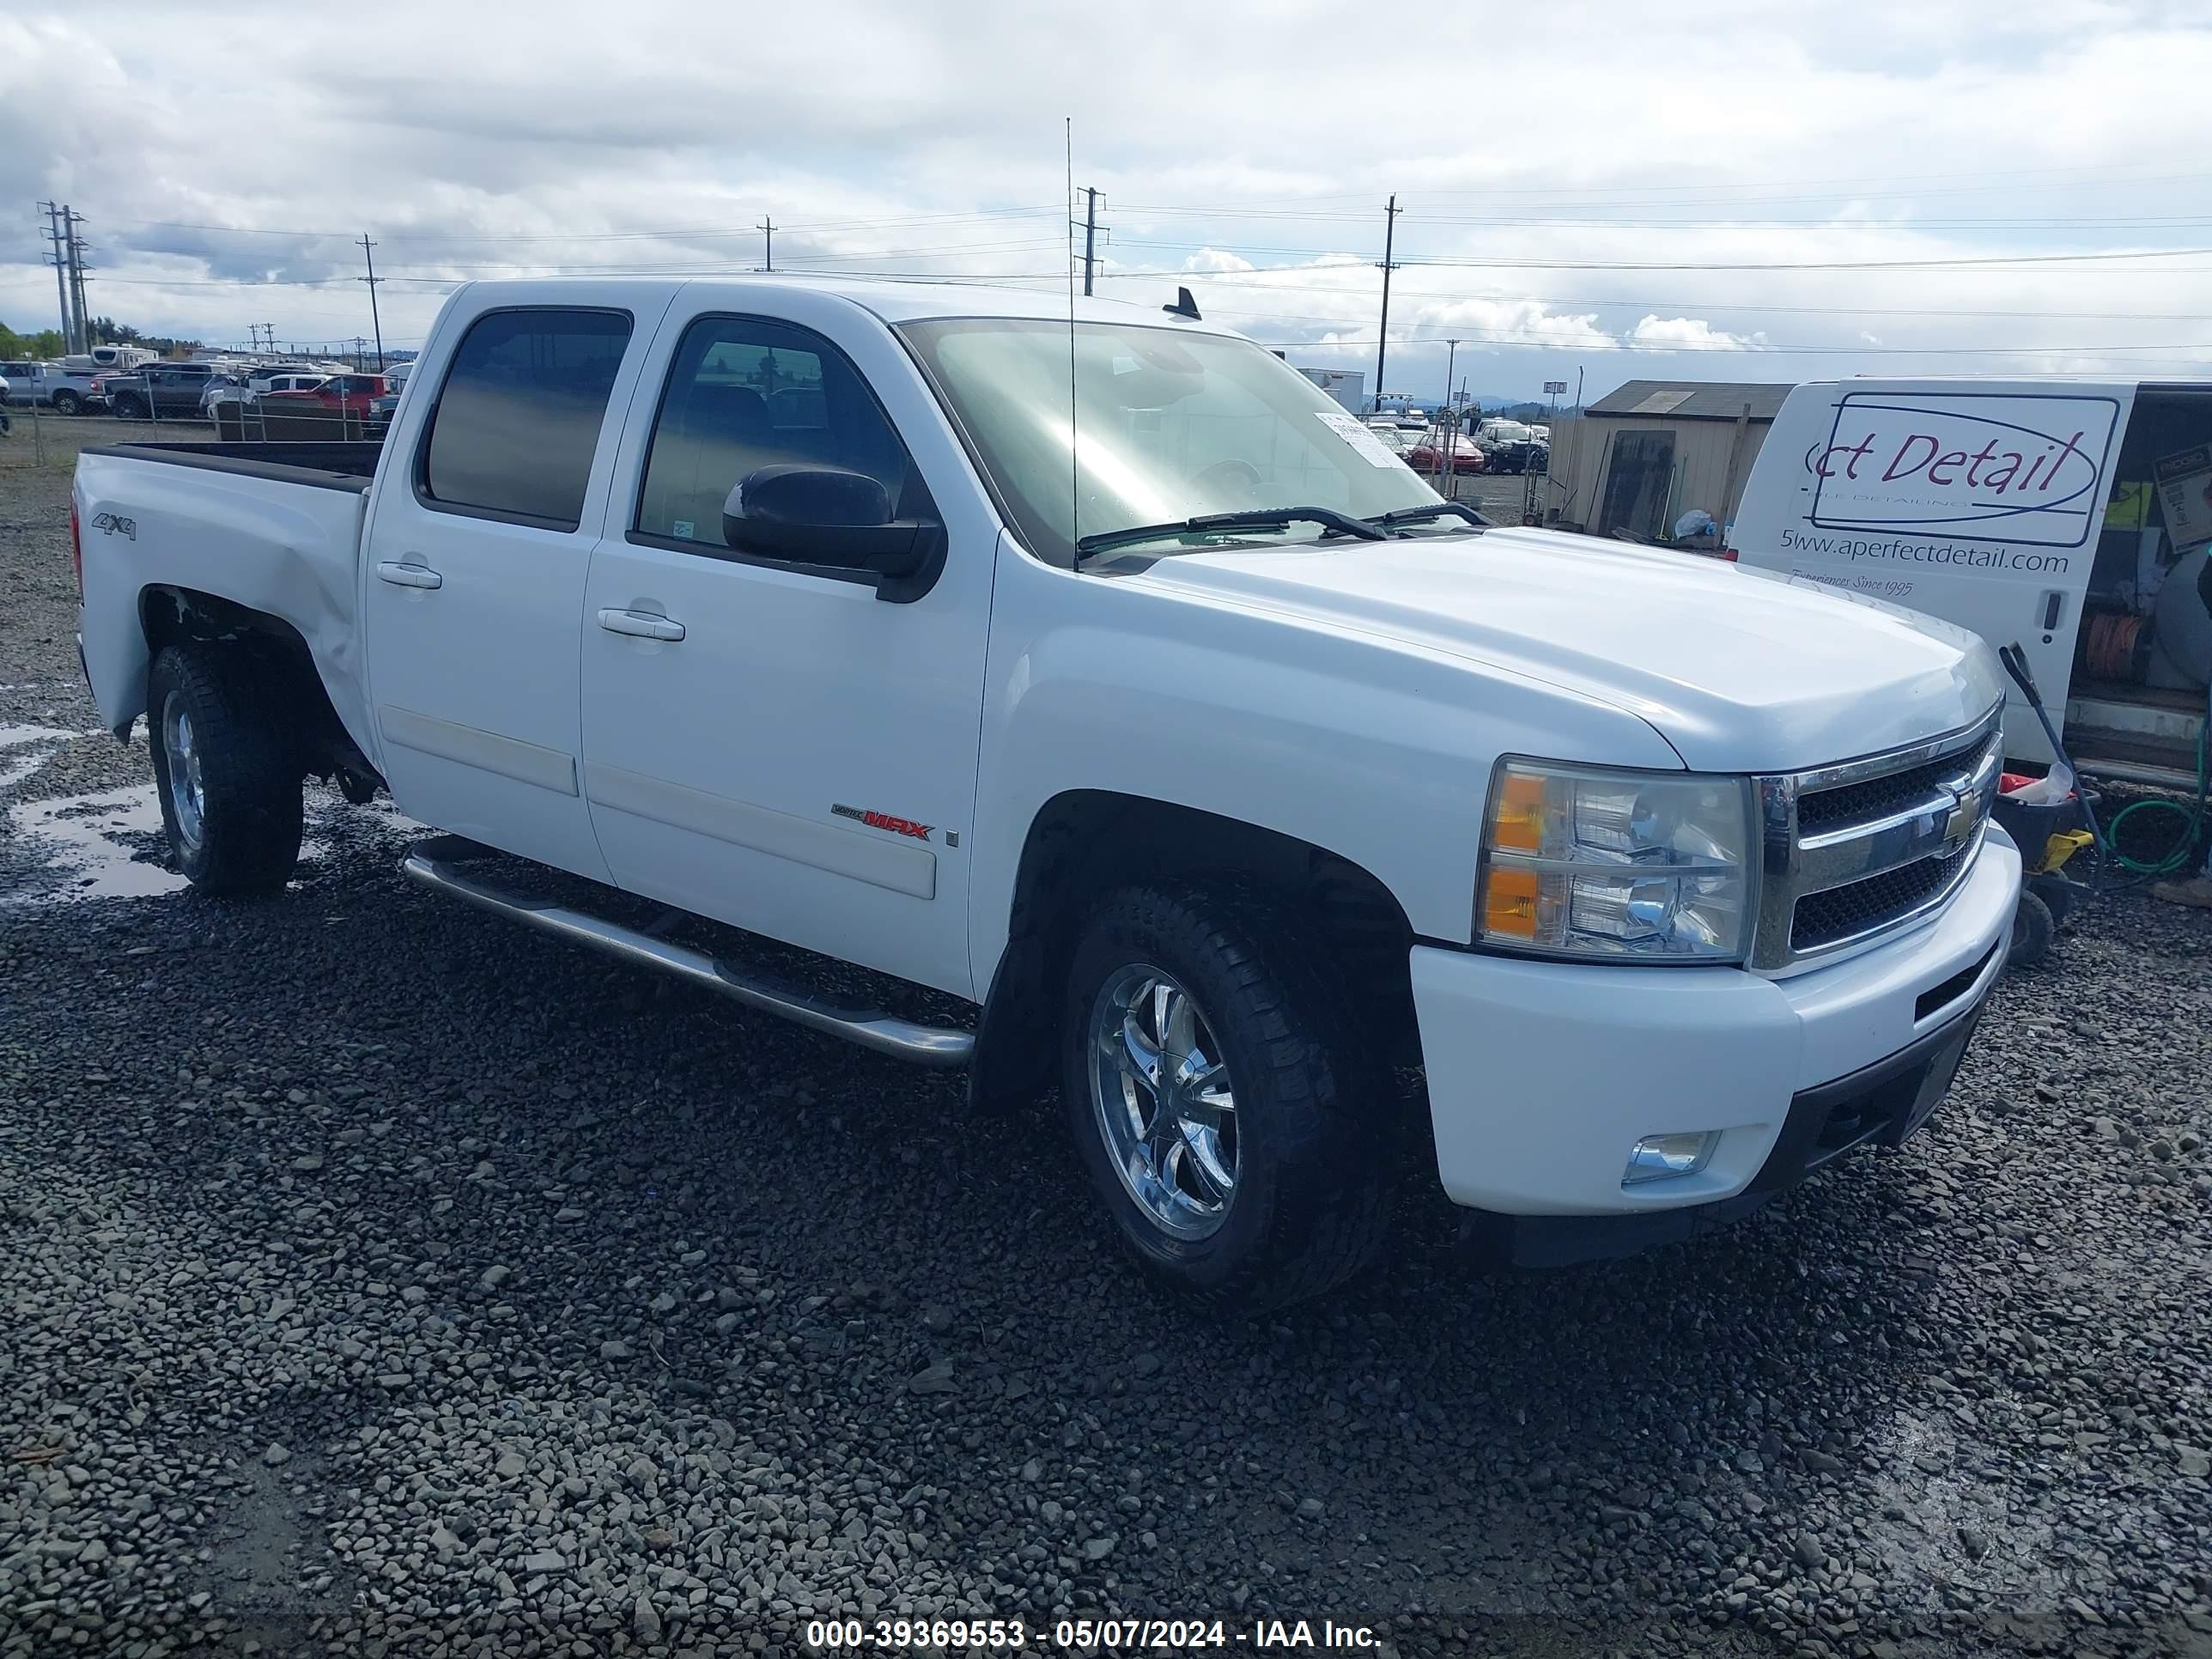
(2032, 928)
(1238, 1138)
(229, 785)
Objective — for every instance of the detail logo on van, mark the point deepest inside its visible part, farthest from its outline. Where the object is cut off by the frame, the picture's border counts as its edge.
(2027, 466)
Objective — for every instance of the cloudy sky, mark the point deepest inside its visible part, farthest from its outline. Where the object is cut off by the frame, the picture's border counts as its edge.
(1709, 189)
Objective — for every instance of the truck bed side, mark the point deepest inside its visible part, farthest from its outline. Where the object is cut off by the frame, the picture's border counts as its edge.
(254, 524)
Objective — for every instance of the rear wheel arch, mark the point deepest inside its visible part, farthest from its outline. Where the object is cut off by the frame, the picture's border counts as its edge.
(275, 663)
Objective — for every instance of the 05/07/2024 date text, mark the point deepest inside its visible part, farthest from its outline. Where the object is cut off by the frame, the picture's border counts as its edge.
(1121, 1635)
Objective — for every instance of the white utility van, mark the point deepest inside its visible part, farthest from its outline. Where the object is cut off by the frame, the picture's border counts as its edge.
(2071, 517)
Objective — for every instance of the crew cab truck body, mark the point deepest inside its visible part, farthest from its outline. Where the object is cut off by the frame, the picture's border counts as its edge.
(1217, 760)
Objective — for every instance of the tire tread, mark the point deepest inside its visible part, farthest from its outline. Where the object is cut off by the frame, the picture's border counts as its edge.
(1331, 1215)
(252, 779)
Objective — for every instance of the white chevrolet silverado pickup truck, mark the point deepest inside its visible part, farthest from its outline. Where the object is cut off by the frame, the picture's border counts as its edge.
(1166, 717)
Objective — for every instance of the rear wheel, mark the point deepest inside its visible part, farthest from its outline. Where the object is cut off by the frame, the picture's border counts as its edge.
(229, 785)
(129, 406)
(68, 403)
(1237, 1138)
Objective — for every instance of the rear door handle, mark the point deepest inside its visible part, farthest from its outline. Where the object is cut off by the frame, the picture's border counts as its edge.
(408, 575)
(640, 625)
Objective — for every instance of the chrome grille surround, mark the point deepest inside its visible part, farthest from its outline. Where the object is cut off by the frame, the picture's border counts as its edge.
(1866, 848)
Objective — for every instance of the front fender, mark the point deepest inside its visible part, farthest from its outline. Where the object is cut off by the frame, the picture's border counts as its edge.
(1377, 751)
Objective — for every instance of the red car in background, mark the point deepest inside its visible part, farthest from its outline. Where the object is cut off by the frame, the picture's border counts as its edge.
(353, 393)
(1428, 456)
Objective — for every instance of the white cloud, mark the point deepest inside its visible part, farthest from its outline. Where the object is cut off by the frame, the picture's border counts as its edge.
(1694, 331)
(484, 139)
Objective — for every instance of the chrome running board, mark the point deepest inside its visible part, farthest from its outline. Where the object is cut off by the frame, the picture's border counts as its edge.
(902, 1039)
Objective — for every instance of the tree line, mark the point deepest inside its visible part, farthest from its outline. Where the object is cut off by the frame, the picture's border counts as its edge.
(48, 342)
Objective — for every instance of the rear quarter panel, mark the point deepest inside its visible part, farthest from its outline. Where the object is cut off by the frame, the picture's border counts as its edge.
(286, 549)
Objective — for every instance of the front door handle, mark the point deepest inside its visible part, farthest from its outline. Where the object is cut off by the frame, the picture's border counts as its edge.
(408, 575)
(641, 625)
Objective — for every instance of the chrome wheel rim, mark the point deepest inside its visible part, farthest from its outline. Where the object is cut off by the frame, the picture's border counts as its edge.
(1160, 1093)
(187, 793)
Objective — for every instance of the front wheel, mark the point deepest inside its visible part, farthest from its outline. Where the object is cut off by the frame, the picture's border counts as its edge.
(1237, 1138)
(229, 784)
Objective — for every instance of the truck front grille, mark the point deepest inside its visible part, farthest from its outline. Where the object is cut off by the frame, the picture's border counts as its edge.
(1860, 907)
(1857, 851)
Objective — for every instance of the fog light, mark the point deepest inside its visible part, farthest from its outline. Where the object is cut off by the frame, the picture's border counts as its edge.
(1658, 1156)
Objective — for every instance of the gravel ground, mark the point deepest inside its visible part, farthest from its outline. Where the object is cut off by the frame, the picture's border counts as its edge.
(377, 1279)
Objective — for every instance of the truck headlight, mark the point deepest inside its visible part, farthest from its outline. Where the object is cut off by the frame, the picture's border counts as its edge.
(1579, 861)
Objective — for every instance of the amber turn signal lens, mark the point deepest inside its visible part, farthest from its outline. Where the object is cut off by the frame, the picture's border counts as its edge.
(1509, 903)
(1517, 820)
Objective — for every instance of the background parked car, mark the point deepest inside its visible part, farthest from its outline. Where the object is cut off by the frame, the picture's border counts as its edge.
(274, 377)
(233, 389)
(353, 393)
(65, 390)
(1428, 455)
(1512, 446)
(161, 388)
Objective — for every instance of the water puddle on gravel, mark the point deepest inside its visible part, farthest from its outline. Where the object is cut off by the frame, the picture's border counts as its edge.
(85, 853)
(111, 845)
(15, 737)
(37, 744)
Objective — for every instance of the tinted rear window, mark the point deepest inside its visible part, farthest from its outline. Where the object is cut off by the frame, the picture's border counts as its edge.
(518, 420)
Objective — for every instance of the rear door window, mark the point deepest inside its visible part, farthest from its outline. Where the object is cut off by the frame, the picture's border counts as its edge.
(518, 420)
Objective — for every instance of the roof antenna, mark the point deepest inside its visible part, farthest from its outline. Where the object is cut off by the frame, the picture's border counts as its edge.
(1074, 476)
(1183, 307)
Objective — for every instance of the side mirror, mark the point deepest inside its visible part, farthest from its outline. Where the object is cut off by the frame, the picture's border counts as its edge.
(835, 518)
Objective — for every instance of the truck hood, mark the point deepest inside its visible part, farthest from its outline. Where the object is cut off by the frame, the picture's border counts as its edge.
(1739, 669)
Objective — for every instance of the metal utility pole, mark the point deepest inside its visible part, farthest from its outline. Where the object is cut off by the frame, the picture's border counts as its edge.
(53, 213)
(766, 228)
(1090, 238)
(1449, 449)
(373, 279)
(1389, 230)
(70, 220)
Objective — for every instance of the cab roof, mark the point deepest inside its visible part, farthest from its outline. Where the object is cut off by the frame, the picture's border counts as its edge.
(899, 301)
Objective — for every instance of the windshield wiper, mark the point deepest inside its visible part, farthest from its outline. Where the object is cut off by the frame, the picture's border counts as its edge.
(1422, 514)
(1258, 518)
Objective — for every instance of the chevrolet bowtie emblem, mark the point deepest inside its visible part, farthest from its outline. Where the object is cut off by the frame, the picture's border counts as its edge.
(1963, 817)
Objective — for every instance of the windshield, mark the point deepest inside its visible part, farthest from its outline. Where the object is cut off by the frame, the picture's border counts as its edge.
(1168, 425)
(1511, 432)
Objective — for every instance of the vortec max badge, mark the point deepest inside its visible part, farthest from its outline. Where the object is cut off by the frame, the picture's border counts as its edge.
(884, 821)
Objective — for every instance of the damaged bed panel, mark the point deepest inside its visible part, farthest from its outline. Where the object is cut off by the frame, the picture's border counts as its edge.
(274, 536)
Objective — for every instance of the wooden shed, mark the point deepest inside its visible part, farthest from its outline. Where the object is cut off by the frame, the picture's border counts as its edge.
(1641, 457)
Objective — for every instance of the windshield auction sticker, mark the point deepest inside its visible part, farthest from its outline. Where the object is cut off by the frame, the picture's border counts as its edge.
(1353, 431)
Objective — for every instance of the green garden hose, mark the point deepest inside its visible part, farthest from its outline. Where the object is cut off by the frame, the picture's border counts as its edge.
(2191, 815)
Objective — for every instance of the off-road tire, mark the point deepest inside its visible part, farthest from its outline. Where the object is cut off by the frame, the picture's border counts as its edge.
(1315, 1124)
(250, 777)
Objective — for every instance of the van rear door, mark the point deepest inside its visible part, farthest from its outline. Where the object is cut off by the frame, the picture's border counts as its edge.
(1978, 502)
